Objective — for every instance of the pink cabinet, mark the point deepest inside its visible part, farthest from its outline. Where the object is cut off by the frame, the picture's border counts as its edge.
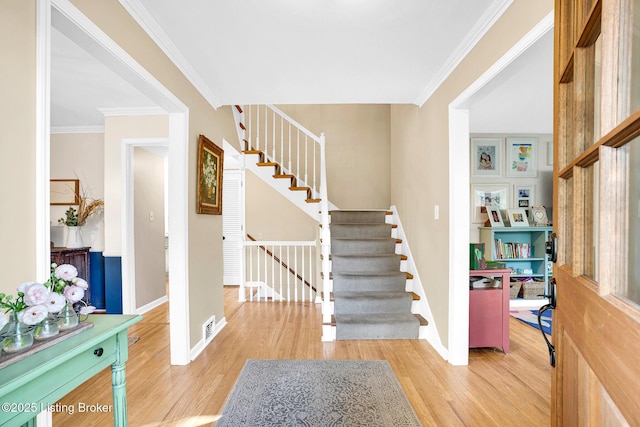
(489, 312)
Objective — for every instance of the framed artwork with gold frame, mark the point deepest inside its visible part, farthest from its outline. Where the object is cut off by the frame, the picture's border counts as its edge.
(64, 191)
(209, 190)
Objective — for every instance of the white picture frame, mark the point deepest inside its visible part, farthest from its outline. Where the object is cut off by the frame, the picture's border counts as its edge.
(524, 197)
(518, 217)
(483, 195)
(549, 153)
(486, 157)
(522, 157)
(495, 216)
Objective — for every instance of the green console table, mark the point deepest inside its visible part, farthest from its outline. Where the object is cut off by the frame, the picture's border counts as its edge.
(39, 380)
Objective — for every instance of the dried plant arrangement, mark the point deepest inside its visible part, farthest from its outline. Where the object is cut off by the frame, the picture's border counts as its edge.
(87, 207)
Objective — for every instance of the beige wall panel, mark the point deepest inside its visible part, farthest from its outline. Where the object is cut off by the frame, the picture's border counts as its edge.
(149, 226)
(116, 129)
(17, 143)
(357, 151)
(420, 156)
(270, 216)
(79, 156)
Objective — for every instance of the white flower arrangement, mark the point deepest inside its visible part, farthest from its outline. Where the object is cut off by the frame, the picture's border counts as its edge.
(36, 300)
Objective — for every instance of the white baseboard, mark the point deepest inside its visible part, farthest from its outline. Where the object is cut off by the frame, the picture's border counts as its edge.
(201, 345)
(153, 304)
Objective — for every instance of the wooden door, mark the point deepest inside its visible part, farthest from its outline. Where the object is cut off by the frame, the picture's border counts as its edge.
(597, 213)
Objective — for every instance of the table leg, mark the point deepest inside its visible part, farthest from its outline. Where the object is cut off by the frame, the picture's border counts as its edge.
(505, 311)
(119, 389)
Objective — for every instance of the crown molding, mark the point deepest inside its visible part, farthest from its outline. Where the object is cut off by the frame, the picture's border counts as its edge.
(150, 26)
(76, 129)
(468, 43)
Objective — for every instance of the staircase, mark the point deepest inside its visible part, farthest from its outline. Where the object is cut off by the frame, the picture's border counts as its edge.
(285, 155)
(369, 297)
(363, 286)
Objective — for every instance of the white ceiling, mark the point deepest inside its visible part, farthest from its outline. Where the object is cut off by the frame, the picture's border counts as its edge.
(303, 52)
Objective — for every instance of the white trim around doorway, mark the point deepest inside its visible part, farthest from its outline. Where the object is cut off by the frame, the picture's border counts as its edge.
(71, 22)
(459, 205)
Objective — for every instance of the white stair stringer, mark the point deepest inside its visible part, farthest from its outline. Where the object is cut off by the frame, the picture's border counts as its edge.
(421, 307)
(265, 173)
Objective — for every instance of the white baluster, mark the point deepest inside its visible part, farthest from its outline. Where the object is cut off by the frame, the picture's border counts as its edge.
(266, 128)
(298, 156)
(289, 143)
(281, 156)
(250, 127)
(302, 286)
(295, 288)
(306, 164)
(250, 250)
(288, 275)
(280, 269)
(257, 147)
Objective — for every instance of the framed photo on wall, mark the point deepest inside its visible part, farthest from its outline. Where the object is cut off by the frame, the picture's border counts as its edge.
(209, 190)
(486, 157)
(524, 197)
(522, 157)
(485, 195)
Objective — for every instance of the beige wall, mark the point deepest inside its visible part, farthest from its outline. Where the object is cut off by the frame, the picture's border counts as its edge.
(148, 173)
(270, 216)
(116, 129)
(358, 150)
(420, 156)
(17, 143)
(79, 156)
(205, 265)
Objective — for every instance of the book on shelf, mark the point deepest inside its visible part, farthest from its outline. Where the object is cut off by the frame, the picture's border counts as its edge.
(512, 250)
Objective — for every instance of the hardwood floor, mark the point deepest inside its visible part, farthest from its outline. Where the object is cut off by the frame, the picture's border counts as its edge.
(493, 390)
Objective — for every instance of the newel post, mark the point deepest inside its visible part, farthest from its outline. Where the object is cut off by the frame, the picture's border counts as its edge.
(325, 235)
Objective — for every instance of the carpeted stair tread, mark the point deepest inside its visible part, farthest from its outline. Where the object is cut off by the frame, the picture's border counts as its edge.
(369, 296)
(372, 302)
(367, 262)
(360, 231)
(369, 281)
(378, 326)
(357, 216)
(372, 245)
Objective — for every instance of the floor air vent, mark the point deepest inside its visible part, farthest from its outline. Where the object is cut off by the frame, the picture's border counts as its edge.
(209, 329)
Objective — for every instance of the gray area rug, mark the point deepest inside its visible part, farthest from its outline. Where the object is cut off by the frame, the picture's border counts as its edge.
(317, 393)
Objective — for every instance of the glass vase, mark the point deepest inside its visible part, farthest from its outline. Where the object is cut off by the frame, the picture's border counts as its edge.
(16, 336)
(67, 317)
(47, 328)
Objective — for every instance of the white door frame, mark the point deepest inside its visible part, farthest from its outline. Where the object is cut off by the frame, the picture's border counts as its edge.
(71, 22)
(129, 304)
(459, 196)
